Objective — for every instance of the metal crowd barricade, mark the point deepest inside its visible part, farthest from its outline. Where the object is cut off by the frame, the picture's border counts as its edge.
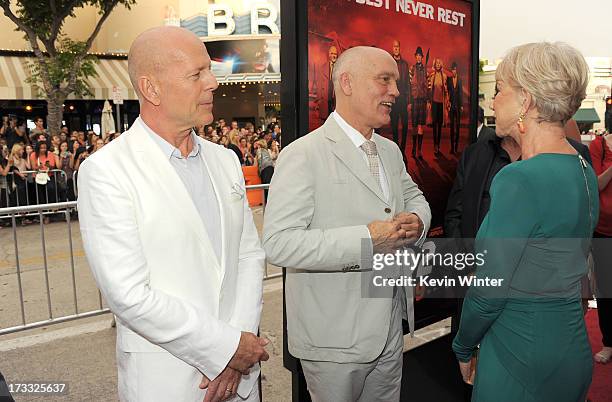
(66, 209)
(22, 190)
(75, 175)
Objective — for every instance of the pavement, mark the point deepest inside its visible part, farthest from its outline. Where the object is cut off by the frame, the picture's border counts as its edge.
(81, 353)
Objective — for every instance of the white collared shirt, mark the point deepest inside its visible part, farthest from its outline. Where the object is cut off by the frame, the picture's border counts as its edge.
(358, 139)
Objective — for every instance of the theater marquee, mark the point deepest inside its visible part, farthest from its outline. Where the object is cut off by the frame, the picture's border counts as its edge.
(242, 37)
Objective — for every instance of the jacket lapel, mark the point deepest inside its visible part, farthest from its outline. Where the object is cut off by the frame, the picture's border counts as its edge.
(219, 185)
(345, 150)
(156, 168)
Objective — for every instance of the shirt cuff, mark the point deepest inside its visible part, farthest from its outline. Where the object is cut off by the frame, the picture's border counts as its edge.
(423, 233)
(367, 248)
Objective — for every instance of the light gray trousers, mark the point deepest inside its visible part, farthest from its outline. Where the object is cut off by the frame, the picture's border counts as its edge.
(379, 380)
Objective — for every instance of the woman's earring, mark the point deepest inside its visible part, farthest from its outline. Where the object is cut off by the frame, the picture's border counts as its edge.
(521, 125)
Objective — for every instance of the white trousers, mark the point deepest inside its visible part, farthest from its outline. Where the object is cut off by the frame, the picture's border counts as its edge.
(161, 377)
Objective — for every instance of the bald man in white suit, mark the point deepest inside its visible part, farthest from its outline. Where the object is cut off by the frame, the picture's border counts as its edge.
(170, 237)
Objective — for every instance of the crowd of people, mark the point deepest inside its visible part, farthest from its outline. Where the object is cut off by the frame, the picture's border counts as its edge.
(38, 168)
(252, 146)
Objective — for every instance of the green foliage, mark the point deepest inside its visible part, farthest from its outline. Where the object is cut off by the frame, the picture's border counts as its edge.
(62, 65)
(59, 68)
(46, 17)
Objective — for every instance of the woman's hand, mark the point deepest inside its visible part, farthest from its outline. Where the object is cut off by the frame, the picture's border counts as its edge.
(468, 371)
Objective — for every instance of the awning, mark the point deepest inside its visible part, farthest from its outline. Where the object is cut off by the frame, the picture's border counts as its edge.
(586, 115)
(14, 71)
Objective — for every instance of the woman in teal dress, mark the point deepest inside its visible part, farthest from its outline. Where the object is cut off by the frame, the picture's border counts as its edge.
(530, 330)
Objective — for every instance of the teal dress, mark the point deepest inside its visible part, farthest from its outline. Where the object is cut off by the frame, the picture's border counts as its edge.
(533, 340)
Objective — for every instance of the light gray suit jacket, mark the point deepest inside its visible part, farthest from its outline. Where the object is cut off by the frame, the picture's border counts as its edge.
(321, 198)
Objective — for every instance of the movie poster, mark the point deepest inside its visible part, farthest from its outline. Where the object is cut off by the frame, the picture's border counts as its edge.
(432, 44)
(244, 56)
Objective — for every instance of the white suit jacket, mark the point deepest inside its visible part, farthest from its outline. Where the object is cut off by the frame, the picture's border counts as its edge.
(153, 261)
(321, 198)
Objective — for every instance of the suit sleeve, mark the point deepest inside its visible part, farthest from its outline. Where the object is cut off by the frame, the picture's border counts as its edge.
(412, 84)
(406, 83)
(596, 151)
(414, 200)
(504, 236)
(251, 260)
(454, 206)
(111, 238)
(288, 239)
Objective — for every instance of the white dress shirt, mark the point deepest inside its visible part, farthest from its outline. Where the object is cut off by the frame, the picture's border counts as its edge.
(358, 139)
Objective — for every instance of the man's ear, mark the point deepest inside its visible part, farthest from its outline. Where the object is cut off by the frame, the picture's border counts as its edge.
(149, 90)
(346, 83)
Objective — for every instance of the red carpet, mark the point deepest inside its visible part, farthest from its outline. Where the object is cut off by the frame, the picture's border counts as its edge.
(601, 387)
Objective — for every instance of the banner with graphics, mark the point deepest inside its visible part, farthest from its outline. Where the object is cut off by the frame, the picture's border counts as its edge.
(435, 45)
(432, 43)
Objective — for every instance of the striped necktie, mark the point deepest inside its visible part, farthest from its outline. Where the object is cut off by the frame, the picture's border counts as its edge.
(369, 147)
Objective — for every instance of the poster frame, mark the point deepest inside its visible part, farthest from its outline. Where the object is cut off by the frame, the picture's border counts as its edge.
(295, 123)
(294, 68)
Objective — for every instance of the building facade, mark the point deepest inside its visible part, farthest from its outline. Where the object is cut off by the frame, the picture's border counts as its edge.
(242, 38)
(590, 116)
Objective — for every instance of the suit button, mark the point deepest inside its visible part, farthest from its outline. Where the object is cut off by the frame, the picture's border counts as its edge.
(388, 210)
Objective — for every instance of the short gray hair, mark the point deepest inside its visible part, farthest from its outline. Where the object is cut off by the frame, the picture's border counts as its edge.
(340, 67)
(554, 74)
